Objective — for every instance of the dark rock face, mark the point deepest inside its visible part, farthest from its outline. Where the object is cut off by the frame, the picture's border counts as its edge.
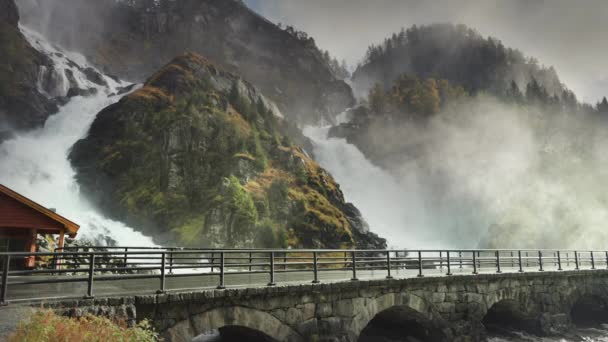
(22, 106)
(200, 157)
(285, 66)
(8, 12)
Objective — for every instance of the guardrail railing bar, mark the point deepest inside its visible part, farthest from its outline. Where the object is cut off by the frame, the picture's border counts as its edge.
(117, 263)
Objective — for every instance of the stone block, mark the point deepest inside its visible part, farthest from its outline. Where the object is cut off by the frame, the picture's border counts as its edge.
(323, 310)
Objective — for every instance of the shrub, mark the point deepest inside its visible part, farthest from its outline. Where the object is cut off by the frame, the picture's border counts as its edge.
(45, 325)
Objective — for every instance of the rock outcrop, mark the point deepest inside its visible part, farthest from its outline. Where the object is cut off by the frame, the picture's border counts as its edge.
(200, 157)
(285, 64)
(22, 105)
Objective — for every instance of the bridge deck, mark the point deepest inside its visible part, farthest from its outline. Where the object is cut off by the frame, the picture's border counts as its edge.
(46, 291)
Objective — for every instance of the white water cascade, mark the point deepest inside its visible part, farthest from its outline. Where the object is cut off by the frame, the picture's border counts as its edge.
(35, 164)
(382, 199)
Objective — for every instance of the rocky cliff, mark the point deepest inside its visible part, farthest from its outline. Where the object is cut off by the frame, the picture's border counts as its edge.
(144, 35)
(22, 105)
(200, 157)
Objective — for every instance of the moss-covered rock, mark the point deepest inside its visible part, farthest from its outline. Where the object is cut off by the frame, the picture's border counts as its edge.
(200, 157)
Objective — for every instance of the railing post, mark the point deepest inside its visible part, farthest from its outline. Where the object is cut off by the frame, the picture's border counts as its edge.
(171, 260)
(284, 261)
(354, 265)
(592, 261)
(498, 262)
(250, 261)
(460, 258)
(568, 259)
(5, 268)
(474, 263)
(91, 273)
(315, 268)
(388, 265)
(162, 273)
(271, 282)
(125, 260)
(449, 266)
(222, 284)
(576, 260)
(521, 266)
(559, 261)
(420, 264)
(540, 261)
(441, 261)
(527, 264)
(606, 259)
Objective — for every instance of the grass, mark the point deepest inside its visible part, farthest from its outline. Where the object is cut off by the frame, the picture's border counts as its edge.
(46, 326)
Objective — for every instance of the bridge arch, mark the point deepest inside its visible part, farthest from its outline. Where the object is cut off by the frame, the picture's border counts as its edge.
(588, 309)
(512, 314)
(232, 316)
(400, 312)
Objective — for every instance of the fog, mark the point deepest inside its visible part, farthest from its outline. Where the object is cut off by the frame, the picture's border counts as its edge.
(569, 35)
(483, 174)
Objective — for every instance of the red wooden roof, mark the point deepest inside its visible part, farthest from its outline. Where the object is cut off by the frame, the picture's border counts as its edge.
(17, 211)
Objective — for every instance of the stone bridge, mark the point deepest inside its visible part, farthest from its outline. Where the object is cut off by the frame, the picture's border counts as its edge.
(438, 308)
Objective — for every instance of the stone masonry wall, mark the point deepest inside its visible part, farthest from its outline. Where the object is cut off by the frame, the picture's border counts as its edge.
(455, 305)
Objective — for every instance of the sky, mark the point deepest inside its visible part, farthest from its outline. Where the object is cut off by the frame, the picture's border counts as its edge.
(569, 35)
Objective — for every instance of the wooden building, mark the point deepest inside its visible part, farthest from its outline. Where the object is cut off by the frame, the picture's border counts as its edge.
(22, 220)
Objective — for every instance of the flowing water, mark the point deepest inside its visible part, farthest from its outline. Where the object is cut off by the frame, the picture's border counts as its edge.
(598, 334)
(35, 164)
(390, 206)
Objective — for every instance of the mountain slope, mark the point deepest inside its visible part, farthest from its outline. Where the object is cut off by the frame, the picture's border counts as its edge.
(22, 105)
(144, 35)
(199, 157)
(455, 53)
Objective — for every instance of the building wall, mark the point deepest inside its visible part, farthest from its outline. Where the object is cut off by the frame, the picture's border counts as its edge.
(16, 215)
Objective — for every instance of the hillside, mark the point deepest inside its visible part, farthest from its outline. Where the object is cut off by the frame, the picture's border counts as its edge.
(455, 53)
(284, 63)
(199, 157)
(22, 104)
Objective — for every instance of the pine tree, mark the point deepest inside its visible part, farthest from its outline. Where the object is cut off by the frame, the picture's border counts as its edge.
(377, 99)
(536, 93)
(602, 107)
(514, 94)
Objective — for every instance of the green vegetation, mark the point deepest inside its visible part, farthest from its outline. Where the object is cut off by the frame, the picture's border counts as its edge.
(455, 53)
(203, 166)
(411, 97)
(46, 326)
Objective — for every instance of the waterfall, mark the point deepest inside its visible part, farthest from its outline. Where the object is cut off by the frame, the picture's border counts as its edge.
(390, 206)
(36, 163)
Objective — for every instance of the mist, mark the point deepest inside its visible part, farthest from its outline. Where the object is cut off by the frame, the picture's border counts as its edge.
(483, 173)
(500, 175)
(561, 33)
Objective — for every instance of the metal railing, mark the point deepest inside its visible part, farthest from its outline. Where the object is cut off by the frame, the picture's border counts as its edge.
(150, 268)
